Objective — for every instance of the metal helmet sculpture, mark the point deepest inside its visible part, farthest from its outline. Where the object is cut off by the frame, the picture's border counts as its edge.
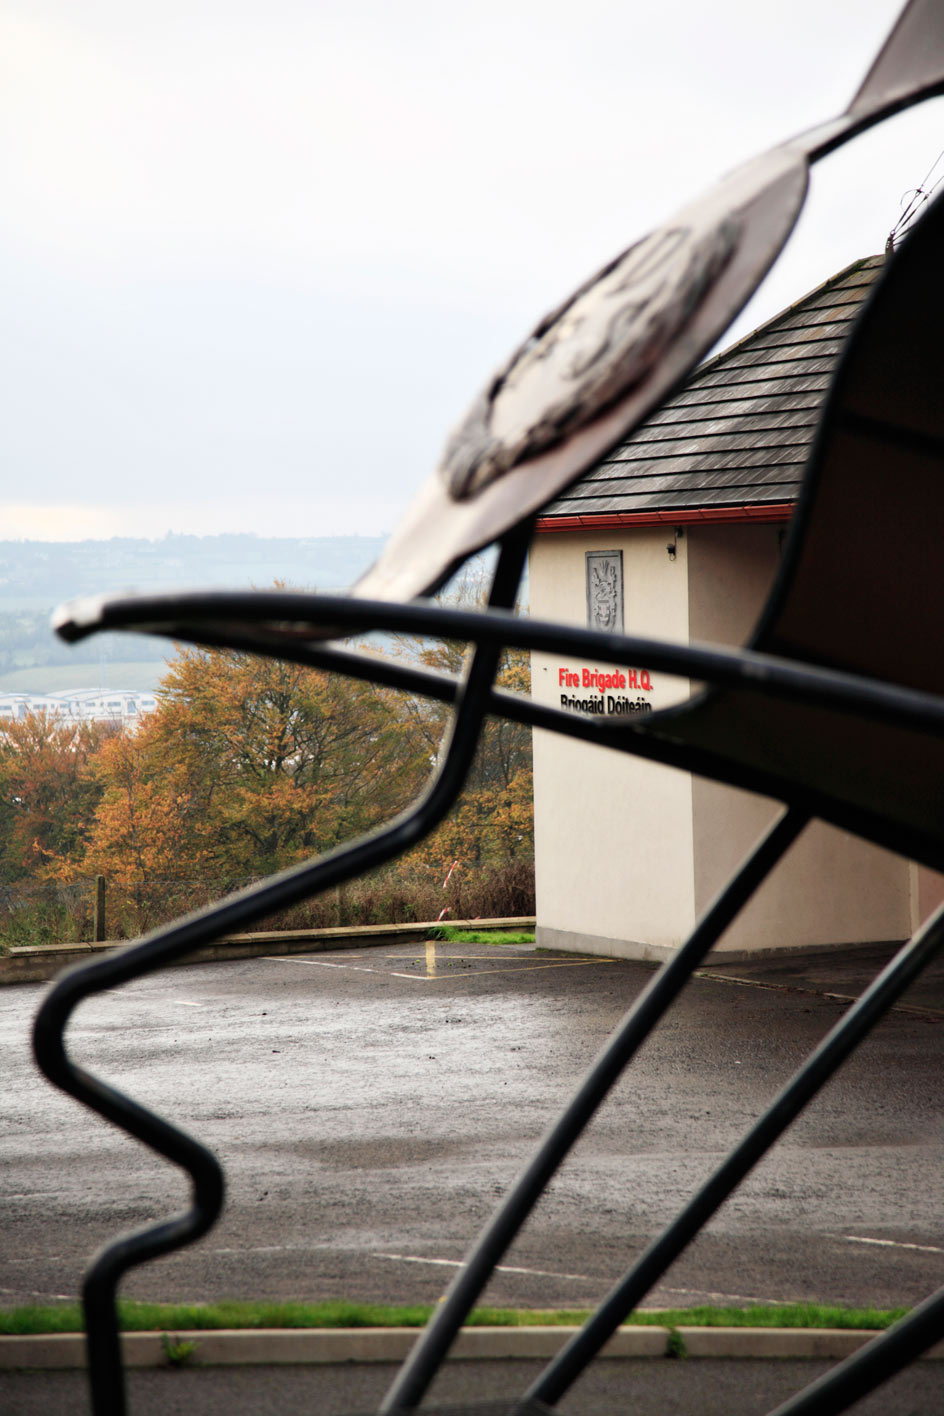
(597, 365)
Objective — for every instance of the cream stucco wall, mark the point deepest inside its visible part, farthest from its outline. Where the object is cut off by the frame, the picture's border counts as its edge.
(927, 893)
(613, 838)
(629, 853)
(831, 888)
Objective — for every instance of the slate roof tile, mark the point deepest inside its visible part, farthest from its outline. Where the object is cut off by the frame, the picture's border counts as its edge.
(738, 433)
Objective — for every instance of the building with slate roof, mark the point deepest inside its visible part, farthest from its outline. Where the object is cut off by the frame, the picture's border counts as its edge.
(732, 444)
(677, 534)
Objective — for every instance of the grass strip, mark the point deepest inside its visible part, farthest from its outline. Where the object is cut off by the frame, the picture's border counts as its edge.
(172, 1317)
(449, 934)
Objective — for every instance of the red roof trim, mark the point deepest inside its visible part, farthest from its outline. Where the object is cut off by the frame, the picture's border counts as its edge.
(611, 520)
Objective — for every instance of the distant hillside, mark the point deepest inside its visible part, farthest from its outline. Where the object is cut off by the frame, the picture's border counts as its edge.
(35, 576)
(58, 570)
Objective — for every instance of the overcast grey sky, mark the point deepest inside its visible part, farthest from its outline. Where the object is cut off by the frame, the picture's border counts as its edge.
(256, 258)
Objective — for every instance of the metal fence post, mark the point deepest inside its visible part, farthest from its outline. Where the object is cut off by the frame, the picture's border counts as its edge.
(98, 916)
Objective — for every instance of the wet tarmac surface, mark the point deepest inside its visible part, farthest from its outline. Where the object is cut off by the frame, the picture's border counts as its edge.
(651, 1387)
(371, 1106)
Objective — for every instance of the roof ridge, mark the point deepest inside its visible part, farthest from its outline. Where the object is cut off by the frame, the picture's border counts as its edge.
(737, 421)
(863, 263)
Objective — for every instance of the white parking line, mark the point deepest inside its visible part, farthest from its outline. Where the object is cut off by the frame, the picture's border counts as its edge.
(438, 978)
(354, 968)
(891, 1244)
(714, 977)
(499, 1268)
(272, 1249)
(704, 1293)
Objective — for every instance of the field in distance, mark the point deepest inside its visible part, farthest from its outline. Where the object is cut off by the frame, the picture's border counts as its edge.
(140, 676)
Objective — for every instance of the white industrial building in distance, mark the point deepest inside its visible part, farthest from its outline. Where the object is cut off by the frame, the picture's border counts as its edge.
(79, 705)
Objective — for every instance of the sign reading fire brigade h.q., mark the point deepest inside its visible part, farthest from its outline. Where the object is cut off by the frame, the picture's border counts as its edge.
(607, 690)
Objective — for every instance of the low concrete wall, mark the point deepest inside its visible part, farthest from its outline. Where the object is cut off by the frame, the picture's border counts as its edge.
(273, 1347)
(39, 964)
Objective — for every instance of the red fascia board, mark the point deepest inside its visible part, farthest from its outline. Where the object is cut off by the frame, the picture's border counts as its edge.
(613, 520)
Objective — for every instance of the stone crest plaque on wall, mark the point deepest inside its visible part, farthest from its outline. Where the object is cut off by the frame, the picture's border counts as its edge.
(605, 590)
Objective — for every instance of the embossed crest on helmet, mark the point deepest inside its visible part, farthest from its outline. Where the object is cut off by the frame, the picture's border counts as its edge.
(588, 353)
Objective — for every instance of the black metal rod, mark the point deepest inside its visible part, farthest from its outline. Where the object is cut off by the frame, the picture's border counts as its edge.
(373, 668)
(872, 1365)
(640, 735)
(166, 945)
(207, 1189)
(665, 986)
(874, 699)
(825, 1059)
(618, 734)
(764, 674)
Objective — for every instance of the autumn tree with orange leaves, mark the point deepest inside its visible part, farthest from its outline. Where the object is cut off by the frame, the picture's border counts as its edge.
(48, 792)
(490, 830)
(250, 765)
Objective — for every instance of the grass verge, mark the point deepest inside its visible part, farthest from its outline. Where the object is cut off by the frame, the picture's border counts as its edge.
(173, 1317)
(449, 934)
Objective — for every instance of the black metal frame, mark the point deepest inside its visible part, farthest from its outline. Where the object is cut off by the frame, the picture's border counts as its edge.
(294, 626)
(289, 626)
(765, 197)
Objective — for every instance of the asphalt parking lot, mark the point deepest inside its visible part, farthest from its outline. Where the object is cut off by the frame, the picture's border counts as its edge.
(650, 1387)
(371, 1106)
